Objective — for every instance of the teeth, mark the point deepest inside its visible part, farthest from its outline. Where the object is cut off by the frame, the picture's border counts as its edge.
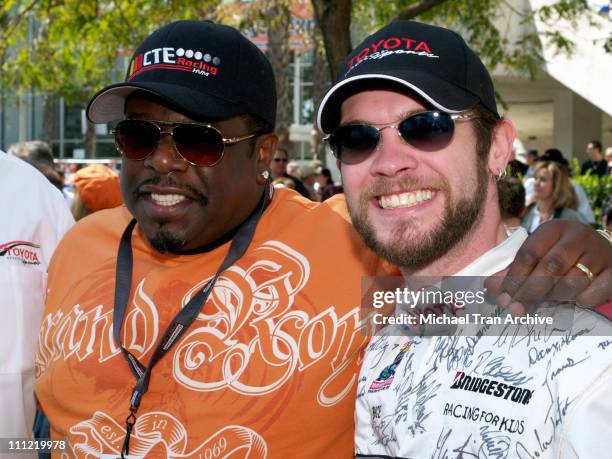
(409, 199)
(167, 199)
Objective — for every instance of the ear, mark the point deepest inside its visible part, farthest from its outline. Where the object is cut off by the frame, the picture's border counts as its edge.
(265, 148)
(502, 140)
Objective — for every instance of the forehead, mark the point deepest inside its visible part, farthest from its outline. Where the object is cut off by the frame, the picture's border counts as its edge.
(152, 108)
(542, 171)
(379, 106)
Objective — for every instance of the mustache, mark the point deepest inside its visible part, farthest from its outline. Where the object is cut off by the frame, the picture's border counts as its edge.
(169, 181)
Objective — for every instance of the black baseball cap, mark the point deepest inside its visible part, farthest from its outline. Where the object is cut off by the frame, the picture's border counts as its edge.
(433, 62)
(210, 71)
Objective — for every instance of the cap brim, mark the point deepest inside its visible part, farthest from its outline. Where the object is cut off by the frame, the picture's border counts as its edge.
(439, 93)
(109, 103)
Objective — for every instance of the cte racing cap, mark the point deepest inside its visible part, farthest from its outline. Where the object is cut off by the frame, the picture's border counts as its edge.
(210, 71)
(433, 62)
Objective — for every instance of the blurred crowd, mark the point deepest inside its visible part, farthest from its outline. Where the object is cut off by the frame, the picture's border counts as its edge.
(310, 178)
(540, 187)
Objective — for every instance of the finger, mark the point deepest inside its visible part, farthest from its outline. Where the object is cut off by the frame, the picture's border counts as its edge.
(562, 287)
(493, 287)
(598, 292)
(529, 255)
(570, 286)
(580, 278)
(494, 282)
(558, 262)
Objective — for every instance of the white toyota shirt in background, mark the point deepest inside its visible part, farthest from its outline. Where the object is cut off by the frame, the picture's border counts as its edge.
(33, 218)
(513, 397)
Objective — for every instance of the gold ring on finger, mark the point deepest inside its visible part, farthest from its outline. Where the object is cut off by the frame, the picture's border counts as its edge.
(586, 271)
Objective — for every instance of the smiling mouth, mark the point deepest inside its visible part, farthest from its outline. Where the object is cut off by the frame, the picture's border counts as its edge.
(404, 200)
(167, 199)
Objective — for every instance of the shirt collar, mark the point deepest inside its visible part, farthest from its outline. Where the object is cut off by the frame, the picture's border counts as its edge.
(499, 257)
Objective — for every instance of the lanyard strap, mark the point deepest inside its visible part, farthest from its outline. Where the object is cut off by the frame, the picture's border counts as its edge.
(183, 319)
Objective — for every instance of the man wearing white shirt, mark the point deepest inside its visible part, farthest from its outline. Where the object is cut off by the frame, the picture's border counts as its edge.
(34, 219)
(421, 144)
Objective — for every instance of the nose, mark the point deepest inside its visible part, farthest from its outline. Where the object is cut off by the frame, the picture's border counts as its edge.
(165, 158)
(393, 156)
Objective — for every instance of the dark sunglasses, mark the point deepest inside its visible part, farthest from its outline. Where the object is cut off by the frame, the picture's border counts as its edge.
(426, 131)
(198, 144)
(280, 160)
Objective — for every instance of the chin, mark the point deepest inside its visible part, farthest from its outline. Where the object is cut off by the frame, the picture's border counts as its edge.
(164, 240)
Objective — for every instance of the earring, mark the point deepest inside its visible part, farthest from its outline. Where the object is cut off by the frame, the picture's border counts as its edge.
(502, 174)
(265, 175)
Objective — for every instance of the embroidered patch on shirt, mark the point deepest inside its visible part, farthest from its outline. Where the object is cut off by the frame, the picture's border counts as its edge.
(386, 376)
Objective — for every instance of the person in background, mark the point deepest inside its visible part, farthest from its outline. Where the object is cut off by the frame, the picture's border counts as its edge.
(609, 159)
(329, 188)
(38, 154)
(511, 200)
(596, 163)
(516, 168)
(584, 206)
(293, 168)
(278, 169)
(96, 187)
(35, 218)
(33, 151)
(554, 196)
(531, 157)
(69, 169)
(283, 182)
(313, 178)
(326, 178)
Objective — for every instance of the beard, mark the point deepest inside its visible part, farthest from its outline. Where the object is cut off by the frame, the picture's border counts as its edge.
(404, 248)
(165, 241)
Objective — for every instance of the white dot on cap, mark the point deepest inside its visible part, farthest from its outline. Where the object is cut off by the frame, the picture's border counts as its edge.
(189, 53)
(216, 61)
(180, 52)
(198, 55)
(207, 57)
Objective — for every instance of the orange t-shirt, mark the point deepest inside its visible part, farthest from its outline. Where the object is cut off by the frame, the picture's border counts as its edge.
(268, 369)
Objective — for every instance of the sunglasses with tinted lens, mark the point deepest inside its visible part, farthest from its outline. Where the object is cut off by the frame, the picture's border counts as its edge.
(425, 131)
(198, 144)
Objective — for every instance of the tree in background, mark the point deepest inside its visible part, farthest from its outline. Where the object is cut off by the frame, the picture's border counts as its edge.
(70, 48)
(478, 21)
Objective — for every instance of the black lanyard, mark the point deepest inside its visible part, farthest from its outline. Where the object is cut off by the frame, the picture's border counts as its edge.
(183, 319)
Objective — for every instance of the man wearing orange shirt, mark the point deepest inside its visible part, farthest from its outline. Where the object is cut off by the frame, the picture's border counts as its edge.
(204, 318)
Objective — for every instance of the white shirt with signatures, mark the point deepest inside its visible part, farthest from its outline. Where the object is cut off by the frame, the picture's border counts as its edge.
(529, 394)
(34, 217)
